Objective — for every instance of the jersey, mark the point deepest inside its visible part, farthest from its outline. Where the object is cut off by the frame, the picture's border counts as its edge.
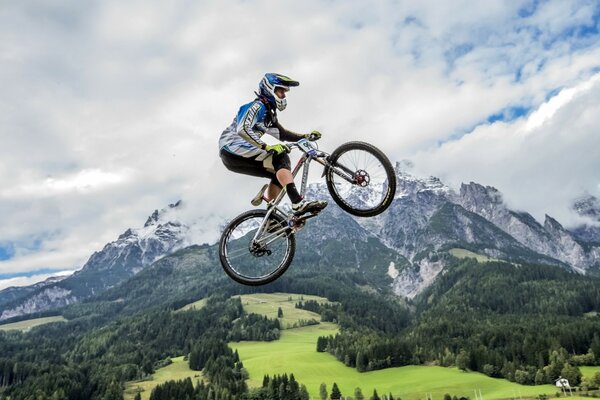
(243, 136)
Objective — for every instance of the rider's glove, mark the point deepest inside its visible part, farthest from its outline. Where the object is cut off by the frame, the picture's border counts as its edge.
(278, 148)
(314, 135)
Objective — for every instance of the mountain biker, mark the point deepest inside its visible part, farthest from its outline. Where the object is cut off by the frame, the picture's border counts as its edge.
(243, 151)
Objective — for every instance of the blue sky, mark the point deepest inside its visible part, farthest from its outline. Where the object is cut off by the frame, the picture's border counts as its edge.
(111, 109)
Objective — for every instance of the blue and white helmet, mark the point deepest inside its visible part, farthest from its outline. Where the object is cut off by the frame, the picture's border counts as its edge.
(269, 83)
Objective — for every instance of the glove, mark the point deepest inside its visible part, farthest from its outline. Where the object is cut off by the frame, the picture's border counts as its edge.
(278, 148)
(314, 135)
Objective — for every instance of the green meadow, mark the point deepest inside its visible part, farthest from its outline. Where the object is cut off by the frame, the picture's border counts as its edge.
(179, 369)
(268, 304)
(295, 352)
(197, 305)
(30, 323)
(463, 253)
(589, 371)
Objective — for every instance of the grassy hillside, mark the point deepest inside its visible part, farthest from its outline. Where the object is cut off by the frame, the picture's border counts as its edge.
(463, 253)
(589, 371)
(269, 303)
(296, 353)
(197, 305)
(30, 323)
(179, 369)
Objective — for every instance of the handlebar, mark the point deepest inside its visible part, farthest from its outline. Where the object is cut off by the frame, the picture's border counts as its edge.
(304, 144)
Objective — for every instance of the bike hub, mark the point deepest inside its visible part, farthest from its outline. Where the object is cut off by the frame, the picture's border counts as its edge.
(258, 250)
(362, 178)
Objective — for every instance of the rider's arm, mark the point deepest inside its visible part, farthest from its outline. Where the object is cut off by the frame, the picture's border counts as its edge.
(287, 135)
(246, 125)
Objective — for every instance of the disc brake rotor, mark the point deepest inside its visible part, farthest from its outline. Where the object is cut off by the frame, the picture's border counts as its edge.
(362, 178)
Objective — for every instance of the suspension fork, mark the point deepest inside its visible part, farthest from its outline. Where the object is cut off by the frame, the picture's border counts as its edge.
(345, 173)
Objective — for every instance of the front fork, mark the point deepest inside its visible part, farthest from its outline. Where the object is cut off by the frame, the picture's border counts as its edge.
(345, 173)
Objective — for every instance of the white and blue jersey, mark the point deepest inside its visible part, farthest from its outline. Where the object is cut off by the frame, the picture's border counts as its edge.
(242, 137)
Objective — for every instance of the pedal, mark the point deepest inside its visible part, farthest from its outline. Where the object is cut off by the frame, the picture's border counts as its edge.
(259, 196)
(296, 224)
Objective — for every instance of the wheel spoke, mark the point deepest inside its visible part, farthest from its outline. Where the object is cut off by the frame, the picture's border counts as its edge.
(372, 175)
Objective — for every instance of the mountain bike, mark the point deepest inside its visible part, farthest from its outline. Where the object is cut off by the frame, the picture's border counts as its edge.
(258, 246)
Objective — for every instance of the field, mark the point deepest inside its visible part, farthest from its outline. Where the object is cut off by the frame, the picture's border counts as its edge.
(179, 369)
(197, 305)
(296, 353)
(462, 253)
(30, 323)
(268, 304)
(589, 371)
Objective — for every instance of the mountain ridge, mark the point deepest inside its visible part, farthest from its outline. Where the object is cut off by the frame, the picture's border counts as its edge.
(412, 239)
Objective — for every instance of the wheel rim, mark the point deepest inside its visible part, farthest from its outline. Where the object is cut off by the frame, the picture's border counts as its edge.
(256, 260)
(370, 180)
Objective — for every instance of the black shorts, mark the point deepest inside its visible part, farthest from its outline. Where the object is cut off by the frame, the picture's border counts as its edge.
(250, 166)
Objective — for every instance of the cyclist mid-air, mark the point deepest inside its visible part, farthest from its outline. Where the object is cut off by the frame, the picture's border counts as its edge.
(243, 151)
(258, 246)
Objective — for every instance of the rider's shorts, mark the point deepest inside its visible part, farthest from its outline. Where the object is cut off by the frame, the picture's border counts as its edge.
(250, 166)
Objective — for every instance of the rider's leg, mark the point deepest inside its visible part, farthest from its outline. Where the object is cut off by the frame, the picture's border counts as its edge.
(272, 191)
(281, 164)
(284, 177)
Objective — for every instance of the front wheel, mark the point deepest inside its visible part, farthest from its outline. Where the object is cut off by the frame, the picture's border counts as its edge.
(361, 179)
(255, 250)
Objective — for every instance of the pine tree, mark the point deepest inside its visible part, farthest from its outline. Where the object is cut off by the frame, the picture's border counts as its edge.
(294, 387)
(114, 392)
(462, 360)
(279, 313)
(595, 347)
(375, 395)
(358, 394)
(321, 344)
(282, 391)
(572, 374)
(303, 393)
(361, 361)
(335, 392)
(323, 391)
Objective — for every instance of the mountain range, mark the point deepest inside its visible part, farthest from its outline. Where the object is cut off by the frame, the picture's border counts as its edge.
(402, 250)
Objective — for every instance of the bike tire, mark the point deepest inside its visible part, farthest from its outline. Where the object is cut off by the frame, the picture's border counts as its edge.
(390, 191)
(231, 271)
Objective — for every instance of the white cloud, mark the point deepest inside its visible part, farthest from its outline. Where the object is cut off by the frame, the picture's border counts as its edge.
(113, 110)
(30, 280)
(541, 163)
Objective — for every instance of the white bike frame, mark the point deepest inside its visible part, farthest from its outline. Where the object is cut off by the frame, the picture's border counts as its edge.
(310, 153)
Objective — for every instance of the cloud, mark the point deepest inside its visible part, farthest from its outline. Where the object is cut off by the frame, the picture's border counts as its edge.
(111, 110)
(30, 280)
(541, 163)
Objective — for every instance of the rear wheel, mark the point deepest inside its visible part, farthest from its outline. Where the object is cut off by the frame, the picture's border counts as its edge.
(361, 180)
(254, 257)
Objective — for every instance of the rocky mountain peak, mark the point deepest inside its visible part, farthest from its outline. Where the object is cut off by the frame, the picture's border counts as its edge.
(477, 193)
(157, 215)
(588, 206)
(134, 249)
(552, 225)
(128, 233)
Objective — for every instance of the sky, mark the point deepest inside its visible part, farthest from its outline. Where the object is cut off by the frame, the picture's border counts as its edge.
(110, 110)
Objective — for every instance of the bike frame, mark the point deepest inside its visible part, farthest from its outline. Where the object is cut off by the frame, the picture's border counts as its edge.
(310, 153)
